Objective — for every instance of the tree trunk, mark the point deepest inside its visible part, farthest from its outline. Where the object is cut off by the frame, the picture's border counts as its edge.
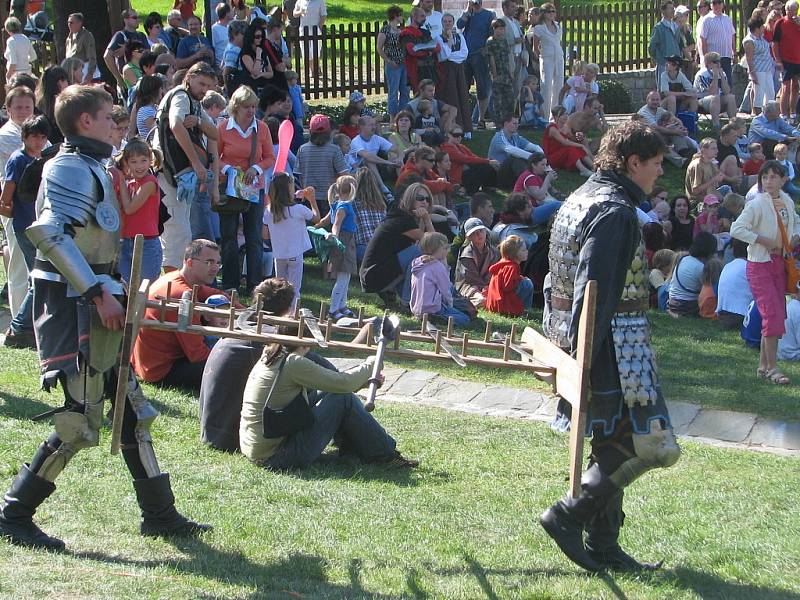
(101, 17)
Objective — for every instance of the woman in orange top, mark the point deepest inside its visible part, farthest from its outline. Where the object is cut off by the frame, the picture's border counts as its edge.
(235, 151)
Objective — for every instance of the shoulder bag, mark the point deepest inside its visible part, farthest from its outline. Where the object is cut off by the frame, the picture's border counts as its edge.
(295, 416)
(229, 205)
(792, 272)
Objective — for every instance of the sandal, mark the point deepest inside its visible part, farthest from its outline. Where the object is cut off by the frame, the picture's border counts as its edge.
(776, 377)
(761, 373)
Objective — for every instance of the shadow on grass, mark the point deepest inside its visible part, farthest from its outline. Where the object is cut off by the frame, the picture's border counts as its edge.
(708, 585)
(332, 466)
(19, 407)
(297, 575)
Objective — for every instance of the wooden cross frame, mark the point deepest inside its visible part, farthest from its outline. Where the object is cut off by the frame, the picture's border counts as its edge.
(536, 354)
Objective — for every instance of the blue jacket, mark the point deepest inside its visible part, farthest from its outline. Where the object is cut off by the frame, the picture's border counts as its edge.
(476, 29)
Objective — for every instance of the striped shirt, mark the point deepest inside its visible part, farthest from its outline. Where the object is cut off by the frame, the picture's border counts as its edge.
(718, 32)
(762, 56)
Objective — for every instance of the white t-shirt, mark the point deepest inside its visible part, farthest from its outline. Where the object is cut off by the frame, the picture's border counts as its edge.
(314, 10)
(433, 23)
(219, 39)
(733, 293)
(20, 53)
(375, 144)
(789, 344)
(289, 236)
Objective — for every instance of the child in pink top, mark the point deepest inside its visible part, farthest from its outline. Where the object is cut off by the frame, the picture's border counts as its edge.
(140, 201)
(708, 220)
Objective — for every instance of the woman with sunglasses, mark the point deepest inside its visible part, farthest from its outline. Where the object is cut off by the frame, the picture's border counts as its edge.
(385, 269)
(468, 169)
(255, 69)
(547, 45)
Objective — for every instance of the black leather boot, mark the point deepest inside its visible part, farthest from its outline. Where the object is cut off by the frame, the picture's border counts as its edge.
(159, 516)
(567, 518)
(27, 492)
(602, 540)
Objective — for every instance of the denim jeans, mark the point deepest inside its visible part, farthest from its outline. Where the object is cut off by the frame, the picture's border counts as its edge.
(339, 417)
(151, 259)
(200, 216)
(459, 318)
(406, 257)
(23, 320)
(525, 292)
(397, 82)
(231, 269)
(542, 213)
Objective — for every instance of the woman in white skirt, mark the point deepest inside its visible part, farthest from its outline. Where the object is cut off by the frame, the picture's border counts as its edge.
(547, 44)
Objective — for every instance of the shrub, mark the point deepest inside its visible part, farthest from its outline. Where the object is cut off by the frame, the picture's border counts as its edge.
(614, 96)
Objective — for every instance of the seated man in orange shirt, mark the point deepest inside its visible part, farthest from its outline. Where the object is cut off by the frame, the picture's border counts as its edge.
(170, 357)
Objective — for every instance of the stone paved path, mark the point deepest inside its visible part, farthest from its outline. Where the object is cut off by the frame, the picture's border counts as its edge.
(718, 427)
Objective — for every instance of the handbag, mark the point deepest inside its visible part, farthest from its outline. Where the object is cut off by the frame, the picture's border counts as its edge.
(282, 422)
(792, 272)
(231, 205)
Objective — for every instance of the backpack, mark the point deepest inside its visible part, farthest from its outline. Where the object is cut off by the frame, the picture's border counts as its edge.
(28, 185)
(175, 159)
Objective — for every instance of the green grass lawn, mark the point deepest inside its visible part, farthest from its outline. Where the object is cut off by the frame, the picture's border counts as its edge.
(461, 526)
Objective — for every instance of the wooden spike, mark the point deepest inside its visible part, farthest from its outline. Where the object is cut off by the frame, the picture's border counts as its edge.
(369, 334)
(506, 347)
(232, 316)
(513, 332)
(488, 334)
(195, 291)
(424, 323)
(301, 327)
(259, 302)
(169, 290)
(449, 326)
(398, 335)
(464, 344)
(297, 310)
(328, 329)
(322, 314)
(360, 316)
(234, 298)
(259, 321)
(162, 310)
(438, 347)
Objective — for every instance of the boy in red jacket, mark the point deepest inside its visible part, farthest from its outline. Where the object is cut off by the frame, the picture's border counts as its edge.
(510, 293)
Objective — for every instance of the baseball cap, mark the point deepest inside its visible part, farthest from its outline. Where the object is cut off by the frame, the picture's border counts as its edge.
(711, 200)
(319, 124)
(682, 10)
(218, 300)
(472, 225)
(357, 97)
(676, 60)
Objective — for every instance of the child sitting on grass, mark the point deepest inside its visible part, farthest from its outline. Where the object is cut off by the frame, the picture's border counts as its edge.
(430, 281)
(474, 260)
(707, 300)
(782, 156)
(510, 293)
(660, 274)
(753, 164)
(426, 120)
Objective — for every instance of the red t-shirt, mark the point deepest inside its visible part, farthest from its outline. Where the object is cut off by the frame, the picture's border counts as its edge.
(186, 7)
(155, 351)
(525, 179)
(752, 167)
(144, 220)
(787, 38)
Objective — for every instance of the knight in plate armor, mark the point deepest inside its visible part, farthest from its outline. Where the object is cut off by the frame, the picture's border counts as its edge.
(78, 321)
(597, 236)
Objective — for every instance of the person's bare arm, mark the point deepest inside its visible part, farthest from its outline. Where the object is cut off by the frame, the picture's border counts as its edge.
(131, 204)
(110, 59)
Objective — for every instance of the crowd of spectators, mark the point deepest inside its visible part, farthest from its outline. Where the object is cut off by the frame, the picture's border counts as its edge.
(406, 207)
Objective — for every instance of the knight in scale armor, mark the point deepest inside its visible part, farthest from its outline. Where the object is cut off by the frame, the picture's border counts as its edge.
(597, 236)
(78, 321)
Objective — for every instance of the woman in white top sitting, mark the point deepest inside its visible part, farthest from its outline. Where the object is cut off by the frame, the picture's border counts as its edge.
(765, 233)
(687, 277)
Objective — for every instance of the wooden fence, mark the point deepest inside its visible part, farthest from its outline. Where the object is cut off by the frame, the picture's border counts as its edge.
(614, 35)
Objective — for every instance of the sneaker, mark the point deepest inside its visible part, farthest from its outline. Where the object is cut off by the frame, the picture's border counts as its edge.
(398, 461)
(23, 339)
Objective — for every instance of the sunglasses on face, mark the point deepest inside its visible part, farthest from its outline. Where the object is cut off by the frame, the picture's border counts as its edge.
(457, 133)
(422, 198)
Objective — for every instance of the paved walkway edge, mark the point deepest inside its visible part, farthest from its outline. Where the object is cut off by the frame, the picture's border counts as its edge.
(721, 428)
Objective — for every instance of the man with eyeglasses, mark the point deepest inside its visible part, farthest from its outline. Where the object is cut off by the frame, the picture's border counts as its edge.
(114, 56)
(80, 44)
(174, 358)
(717, 34)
